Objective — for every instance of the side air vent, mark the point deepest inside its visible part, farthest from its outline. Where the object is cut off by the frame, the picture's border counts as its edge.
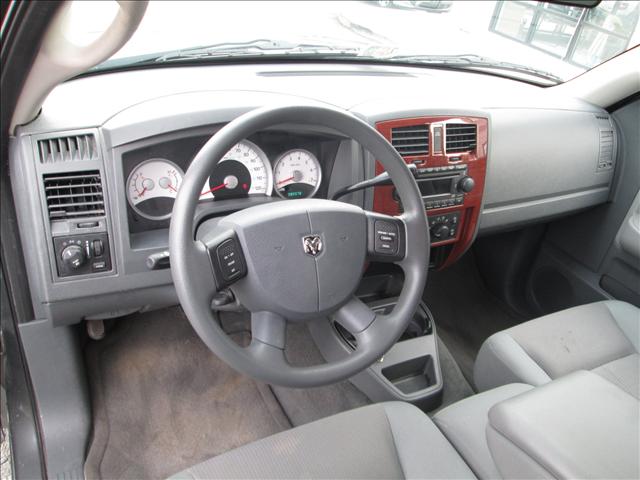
(68, 149)
(73, 195)
(409, 141)
(605, 155)
(461, 137)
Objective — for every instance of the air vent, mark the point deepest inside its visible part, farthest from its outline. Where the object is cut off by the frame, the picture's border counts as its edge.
(605, 155)
(68, 149)
(74, 194)
(410, 141)
(461, 137)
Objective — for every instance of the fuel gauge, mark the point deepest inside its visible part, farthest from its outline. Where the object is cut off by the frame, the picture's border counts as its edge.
(297, 174)
(152, 188)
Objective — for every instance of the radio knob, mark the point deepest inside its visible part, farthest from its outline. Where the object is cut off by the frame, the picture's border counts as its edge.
(466, 184)
(73, 256)
(440, 230)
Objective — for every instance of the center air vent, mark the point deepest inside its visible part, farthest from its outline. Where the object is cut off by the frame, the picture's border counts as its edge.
(73, 195)
(410, 141)
(461, 137)
(68, 149)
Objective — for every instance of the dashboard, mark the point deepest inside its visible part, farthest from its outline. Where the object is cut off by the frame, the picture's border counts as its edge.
(94, 177)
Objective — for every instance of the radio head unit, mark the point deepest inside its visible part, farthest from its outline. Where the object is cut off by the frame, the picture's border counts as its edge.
(444, 186)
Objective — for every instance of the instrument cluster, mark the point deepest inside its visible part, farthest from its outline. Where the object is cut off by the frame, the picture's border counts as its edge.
(244, 171)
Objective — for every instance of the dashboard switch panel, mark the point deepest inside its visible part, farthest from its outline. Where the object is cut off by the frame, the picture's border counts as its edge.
(82, 254)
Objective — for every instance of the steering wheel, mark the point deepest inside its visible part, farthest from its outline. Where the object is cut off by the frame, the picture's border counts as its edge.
(297, 260)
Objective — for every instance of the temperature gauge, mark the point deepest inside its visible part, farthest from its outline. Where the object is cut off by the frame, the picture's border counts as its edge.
(152, 188)
(297, 174)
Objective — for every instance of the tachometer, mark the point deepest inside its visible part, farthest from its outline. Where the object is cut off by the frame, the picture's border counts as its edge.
(297, 174)
(152, 188)
(243, 171)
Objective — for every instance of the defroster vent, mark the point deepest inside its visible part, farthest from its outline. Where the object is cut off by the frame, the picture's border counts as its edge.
(410, 141)
(68, 149)
(461, 137)
(74, 194)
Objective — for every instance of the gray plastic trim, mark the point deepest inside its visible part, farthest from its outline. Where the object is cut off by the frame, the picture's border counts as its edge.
(59, 382)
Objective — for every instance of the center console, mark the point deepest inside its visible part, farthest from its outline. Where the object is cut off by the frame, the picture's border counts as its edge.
(451, 156)
(410, 370)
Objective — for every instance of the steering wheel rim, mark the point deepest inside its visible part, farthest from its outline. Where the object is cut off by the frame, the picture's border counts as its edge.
(196, 280)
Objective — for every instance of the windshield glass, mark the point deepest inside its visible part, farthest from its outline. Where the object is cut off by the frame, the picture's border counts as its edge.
(547, 41)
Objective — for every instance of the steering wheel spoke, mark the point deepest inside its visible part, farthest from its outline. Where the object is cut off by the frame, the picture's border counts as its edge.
(386, 238)
(355, 316)
(268, 328)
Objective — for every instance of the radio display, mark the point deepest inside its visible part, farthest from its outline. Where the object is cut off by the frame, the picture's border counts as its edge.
(436, 186)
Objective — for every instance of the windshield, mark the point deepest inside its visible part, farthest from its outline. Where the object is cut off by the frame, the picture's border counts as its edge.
(543, 40)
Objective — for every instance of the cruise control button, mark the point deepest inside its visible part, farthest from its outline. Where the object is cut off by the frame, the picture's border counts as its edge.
(386, 237)
(229, 260)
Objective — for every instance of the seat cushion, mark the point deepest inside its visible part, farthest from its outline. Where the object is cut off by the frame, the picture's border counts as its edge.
(385, 440)
(581, 338)
(465, 422)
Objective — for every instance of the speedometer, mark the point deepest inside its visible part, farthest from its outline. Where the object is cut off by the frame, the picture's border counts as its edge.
(243, 171)
(297, 174)
(152, 187)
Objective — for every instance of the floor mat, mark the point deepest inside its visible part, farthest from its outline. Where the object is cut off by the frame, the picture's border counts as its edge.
(465, 312)
(162, 401)
(309, 404)
(456, 387)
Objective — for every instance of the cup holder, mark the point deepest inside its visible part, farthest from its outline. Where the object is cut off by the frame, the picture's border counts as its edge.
(412, 375)
(420, 325)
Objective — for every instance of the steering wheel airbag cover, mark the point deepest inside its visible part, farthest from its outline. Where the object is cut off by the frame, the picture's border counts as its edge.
(287, 280)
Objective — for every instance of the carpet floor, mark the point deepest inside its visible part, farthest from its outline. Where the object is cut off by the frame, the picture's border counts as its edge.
(163, 402)
(465, 312)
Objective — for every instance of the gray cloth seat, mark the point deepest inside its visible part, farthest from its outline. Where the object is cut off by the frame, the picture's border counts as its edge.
(385, 440)
(464, 423)
(603, 337)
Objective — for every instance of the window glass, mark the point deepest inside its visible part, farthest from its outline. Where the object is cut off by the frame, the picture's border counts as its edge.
(553, 33)
(539, 39)
(515, 20)
(595, 46)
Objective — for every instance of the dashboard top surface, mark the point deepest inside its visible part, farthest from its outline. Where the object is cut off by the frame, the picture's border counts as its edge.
(374, 91)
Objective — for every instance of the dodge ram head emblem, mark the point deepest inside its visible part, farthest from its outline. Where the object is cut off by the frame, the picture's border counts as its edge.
(312, 245)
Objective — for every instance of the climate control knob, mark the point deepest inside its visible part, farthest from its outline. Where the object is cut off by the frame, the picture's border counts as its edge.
(440, 231)
(73, 256)
(466, 184)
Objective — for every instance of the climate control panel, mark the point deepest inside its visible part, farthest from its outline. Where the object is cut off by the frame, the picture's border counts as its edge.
(82, 254)
(444, 226)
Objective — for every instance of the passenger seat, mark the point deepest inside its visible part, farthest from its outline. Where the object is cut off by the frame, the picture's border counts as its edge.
(603, 337)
